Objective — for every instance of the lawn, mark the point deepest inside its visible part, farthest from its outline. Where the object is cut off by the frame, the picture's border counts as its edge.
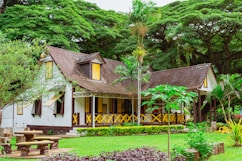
(85, 146)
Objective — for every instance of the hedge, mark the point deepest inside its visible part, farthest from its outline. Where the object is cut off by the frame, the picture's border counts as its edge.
(128, 130)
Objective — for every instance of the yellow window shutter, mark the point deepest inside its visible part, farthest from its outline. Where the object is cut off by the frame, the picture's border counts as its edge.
(96, 71)
(49, 70)
(87, 100)
(120, 102)
(100, 105)
(205, 83)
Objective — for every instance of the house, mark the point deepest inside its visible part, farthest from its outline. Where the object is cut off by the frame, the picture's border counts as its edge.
(81, 93)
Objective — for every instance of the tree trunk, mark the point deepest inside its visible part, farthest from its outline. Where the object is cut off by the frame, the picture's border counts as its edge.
(139, 94)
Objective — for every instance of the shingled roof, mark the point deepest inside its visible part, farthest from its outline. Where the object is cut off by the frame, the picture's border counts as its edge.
(68, 62)
(192, 76)
(89, 57)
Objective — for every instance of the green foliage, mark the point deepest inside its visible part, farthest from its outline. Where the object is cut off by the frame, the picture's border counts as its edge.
(193, 32)
(228, 91)
(180, 151)
(200, 126)
(235, 130)
(127, 130)
(18, 66)
(171, 96)
(198, 141)
(66, 24)
(128, 71)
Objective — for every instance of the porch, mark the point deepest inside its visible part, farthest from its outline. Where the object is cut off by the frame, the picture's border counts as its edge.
(101, 119)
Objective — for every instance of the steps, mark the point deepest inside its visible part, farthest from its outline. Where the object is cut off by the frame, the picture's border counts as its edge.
(73, 133)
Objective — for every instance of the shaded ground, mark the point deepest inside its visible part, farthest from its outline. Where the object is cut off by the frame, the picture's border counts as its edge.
(34, 153)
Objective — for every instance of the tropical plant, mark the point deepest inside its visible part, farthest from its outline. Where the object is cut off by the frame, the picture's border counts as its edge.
(172, 97)
(235, 131)
(228, 89)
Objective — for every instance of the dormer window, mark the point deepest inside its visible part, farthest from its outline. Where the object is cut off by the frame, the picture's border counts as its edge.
(91, 65)
(96, 71)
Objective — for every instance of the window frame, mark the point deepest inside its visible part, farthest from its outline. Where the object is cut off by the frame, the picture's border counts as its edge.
(60, 105)
(37, 107)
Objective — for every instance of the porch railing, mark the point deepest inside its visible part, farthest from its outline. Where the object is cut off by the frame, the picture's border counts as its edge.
(176, 118)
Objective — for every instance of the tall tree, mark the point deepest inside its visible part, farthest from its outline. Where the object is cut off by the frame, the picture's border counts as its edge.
(74, 25)
(194, 31)
(108, 27)
(139, 17)
(18, 66)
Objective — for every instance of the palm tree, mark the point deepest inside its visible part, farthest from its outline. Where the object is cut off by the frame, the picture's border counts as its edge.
(128, 72)
(139, 17)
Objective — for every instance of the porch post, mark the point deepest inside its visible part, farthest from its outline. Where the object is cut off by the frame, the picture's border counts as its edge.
(73, 106)
(215, 109)
(93, 111)
(194, 112)
(199, 107)
(133, 111)
(210, 111)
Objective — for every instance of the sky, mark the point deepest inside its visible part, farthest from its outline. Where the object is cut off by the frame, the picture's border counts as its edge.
(123, 5)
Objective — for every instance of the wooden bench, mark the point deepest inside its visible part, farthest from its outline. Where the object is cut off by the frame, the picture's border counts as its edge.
(6, 146)
(25, 146)
(51, 138)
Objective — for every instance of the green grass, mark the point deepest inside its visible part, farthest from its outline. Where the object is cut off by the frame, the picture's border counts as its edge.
(85, 146)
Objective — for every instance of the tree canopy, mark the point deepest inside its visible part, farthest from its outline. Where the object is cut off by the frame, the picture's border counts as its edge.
(183, 33)
(68, 24)
(193, 32)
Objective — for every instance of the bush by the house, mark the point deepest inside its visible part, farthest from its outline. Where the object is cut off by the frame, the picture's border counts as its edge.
(128, 130)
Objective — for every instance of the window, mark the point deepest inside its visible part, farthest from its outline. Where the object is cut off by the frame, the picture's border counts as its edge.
(205, 83)
(96, 71)
(49, 70)
(37, 107)
(59, 107)
(127, 106)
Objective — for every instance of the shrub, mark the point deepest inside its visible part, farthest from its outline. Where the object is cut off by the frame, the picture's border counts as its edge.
(127, 130)
(198, 141)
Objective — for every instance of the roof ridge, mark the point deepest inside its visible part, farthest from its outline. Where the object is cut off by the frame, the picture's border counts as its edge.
(180, 68)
